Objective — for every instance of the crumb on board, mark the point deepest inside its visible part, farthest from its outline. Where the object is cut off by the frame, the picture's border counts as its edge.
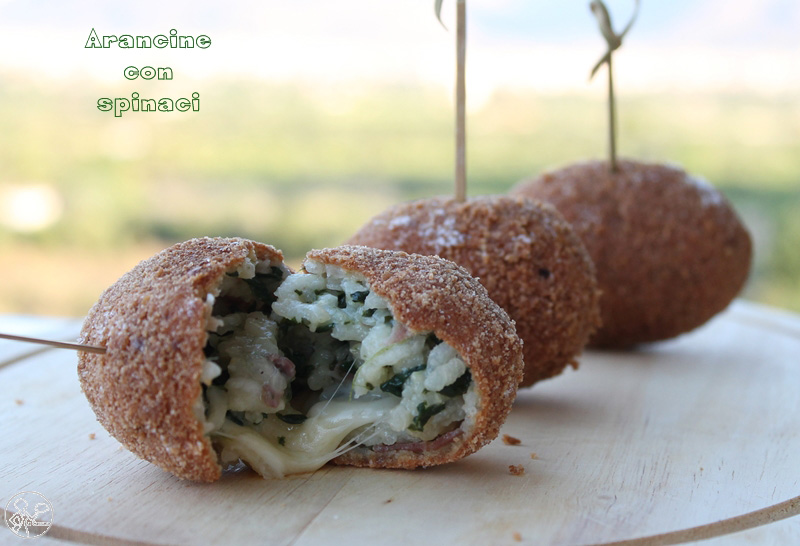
(91, 436)
(510, 440)
(517, 536)
(19, 401)
(110, 499)
(534, 456)
(516, 469)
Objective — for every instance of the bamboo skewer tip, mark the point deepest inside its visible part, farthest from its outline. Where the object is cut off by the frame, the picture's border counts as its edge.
(57, 344)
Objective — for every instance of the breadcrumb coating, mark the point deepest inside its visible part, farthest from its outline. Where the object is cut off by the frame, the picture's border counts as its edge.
(525, 254)
(153, 320)
(669, 249)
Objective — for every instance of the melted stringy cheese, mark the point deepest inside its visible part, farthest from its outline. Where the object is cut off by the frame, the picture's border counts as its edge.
(347, 348)
(305, 447)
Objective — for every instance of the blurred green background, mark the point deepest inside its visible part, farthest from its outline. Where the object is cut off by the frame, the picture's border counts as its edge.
(315, 116)
(86, 195)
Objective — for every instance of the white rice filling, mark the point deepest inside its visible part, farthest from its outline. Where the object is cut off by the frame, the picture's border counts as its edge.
(323, 369)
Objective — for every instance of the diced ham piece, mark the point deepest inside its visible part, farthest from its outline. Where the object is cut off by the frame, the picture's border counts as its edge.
(271, 396)
(399, 333)
(283, 364)
(420, 447)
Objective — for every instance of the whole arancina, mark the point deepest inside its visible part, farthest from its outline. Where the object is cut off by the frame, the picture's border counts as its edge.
(669, 249)
(526, 255)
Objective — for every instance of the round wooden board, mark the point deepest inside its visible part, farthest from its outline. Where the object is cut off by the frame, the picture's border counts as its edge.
(690, 439)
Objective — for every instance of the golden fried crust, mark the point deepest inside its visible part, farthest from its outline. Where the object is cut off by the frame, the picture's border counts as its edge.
(525, 254)
(427, 293)
(670, 251)
(152, 322)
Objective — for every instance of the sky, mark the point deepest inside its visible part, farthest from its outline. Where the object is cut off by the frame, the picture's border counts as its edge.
(550, 47)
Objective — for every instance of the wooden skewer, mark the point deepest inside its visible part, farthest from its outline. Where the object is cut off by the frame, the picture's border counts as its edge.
(59, 344)
(461, 101)
(461, 96)
(612, 119)
(614, 42)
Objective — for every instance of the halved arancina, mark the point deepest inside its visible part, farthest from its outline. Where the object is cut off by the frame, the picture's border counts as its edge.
(217, 352)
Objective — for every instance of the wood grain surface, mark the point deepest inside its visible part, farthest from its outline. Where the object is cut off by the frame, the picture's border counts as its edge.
(696, 438)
